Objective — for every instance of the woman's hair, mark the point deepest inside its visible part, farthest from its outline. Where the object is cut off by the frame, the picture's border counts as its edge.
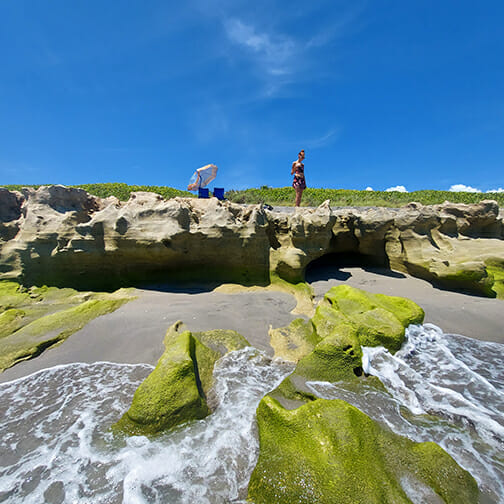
(302, 150)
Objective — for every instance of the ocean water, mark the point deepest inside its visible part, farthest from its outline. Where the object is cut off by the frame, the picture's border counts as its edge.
(56, 445)
(443, 388)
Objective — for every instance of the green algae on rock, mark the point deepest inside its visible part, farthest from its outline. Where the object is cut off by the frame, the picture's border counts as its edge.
(294, 341)
(495, 269)
(37, 318)
(379, 319)
(328, 347)
(177, 390)
(328, 451)
(222, 340)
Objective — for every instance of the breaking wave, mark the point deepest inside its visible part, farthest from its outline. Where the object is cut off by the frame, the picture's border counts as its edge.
(56, 444)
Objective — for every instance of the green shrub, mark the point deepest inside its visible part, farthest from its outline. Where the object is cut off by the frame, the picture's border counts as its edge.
(280, 196)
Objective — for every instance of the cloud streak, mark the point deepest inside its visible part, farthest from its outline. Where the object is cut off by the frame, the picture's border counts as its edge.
(276, 54)
(322, 141)
(273, 53)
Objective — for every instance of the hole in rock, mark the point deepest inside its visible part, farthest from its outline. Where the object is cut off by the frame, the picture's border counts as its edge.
(329, 266)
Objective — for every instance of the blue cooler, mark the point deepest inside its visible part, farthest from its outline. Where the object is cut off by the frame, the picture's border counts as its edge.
(203, 192)
(218, 193)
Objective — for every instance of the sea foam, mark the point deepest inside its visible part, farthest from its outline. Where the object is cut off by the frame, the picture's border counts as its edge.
(443, 388)
(56, 444)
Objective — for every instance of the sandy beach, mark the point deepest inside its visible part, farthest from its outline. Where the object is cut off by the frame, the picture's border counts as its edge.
(134, 333)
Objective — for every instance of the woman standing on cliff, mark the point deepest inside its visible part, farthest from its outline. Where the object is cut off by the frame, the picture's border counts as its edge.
(299, 183)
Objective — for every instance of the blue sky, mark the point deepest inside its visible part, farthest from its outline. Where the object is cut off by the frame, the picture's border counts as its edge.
(380, 93)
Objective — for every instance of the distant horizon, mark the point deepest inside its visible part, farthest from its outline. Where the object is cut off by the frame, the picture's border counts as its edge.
(379, 94)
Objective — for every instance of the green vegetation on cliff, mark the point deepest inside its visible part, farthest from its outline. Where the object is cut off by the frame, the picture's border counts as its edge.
(285, 195)
(37, 318)
(346, 197)
(118, 189)
(328, 451)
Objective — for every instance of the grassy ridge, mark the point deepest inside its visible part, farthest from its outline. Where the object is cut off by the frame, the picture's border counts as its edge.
(311, 197)
(117, 189)
(345, 197)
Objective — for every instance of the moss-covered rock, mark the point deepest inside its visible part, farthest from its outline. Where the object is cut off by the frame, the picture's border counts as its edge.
(302, 291)
(495, 269)
(378, 319)
(328, 347)
(175, 391)
(294, 341)
(327, 451)
(379, 327)
(10, 320)
(222, 340)
(407, 311)
(334, 358)
(37, 318)
(12, 295)
(470, 276)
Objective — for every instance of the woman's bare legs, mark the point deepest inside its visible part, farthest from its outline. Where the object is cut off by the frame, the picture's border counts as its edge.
(299, 193)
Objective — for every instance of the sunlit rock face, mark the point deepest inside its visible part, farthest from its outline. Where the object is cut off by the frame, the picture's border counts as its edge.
(64, 236)
(68, 237)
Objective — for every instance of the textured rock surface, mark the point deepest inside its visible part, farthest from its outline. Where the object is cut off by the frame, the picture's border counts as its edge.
(329, 451)
(177, 391)
(328, 346)
(64, 236)
(35, 319)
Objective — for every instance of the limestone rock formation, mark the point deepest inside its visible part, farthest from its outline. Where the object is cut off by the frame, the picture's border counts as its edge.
(318, 450)
(327, 451)
(66, 237)
(177, 391)
(328, 346)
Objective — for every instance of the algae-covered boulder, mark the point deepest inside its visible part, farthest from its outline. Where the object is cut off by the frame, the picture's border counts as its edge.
(470, 276)
(328, 451)
(495, 269)
(222, 340)
(294, 341)
(378, 319)
(177, 390)
(328, 347)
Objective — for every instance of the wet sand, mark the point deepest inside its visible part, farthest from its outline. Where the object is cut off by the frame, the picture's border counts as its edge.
(134, 333)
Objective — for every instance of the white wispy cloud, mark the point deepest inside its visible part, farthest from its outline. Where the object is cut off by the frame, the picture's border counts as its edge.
(463, 188)
(368, 188)
(321, 141)
(399, 188)
(278, 54)
(274, 52)
(338, 27)
(500, 190)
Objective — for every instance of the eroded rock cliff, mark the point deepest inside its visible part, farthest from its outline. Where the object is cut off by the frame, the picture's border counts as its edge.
(67, 237)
